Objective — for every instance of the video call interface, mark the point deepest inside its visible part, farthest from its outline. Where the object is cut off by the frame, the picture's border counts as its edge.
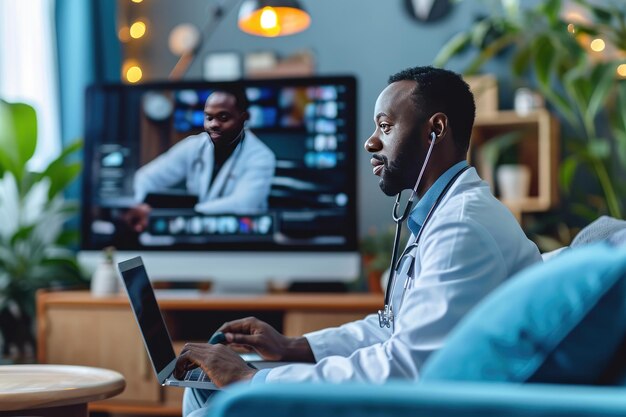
(308, 124)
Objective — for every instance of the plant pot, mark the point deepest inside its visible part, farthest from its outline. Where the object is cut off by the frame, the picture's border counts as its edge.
(104, 281)
(513, 182)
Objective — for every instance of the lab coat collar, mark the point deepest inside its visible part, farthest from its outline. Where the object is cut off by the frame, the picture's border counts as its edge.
(419, 213)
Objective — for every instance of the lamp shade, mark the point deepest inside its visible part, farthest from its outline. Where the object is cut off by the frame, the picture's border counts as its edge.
(271, 18)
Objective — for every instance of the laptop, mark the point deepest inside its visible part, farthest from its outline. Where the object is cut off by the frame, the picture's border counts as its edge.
(154, 333)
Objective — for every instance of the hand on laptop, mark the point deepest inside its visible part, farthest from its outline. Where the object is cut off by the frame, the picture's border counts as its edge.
(137, 217)
(252, 334)
(219, 362)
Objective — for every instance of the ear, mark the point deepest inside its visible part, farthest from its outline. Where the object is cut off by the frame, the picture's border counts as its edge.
(438, 124)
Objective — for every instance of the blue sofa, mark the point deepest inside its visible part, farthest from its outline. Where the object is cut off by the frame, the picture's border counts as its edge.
(401, 399)
(549, 342)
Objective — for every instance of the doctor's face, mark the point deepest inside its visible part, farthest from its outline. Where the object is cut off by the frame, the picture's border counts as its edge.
(397, 144)
(223, 121)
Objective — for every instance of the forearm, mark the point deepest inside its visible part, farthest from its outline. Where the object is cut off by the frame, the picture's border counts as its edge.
(299, 350)
(346, 339)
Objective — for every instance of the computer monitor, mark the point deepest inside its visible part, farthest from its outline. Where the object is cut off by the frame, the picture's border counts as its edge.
(306, 228)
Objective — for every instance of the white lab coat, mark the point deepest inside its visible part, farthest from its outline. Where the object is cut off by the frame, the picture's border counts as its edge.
(242, 184)
(470, 246)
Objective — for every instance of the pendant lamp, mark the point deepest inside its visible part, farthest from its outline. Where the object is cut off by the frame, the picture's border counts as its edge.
(272, 18)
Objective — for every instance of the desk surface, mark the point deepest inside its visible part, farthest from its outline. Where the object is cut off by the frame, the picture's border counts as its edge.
(38, 386)
(174, 299)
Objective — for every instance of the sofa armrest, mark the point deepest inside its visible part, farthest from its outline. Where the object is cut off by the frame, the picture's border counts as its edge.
(404, 399)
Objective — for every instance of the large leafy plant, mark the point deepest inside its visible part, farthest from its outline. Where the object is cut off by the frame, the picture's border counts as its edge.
(34, 250)
(545, 48)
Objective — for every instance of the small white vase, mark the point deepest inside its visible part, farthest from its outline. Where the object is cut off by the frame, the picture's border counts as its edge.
(513, 182)
(105, 280)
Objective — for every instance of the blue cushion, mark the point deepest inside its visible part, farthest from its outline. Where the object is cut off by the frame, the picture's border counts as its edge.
(558, 322)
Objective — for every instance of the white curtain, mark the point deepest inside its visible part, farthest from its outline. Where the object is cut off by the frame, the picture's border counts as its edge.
(28, 69)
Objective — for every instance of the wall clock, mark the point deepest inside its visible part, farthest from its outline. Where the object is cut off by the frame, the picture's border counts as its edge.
(428, 10)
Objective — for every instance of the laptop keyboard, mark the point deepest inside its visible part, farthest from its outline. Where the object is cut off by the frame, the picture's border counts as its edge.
(196, 374)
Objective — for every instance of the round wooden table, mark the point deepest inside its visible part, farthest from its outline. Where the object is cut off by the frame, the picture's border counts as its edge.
(54, 390)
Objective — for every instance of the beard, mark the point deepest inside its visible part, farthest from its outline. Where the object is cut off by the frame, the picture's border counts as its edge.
(397, 174)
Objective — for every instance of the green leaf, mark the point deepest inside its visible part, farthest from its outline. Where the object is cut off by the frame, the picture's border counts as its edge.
(562, 105)
(601, 14)
(479, 31)
(490, 51)
(621, 146)
(60, 172)
(544, 54)
(22, 137)
(621, 104)
(521, 60)
(492, 150)
(551, 9)
(566, 172)
(7, 161)
(583, 210)
(18, 136)
(23, 233)
(599, 148)
(603, 80)
(68, 237)
(453, 47)
(573, 82)
(62, 177)
(582, 28)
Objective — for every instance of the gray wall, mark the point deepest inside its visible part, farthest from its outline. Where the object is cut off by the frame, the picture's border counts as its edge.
(370, 39)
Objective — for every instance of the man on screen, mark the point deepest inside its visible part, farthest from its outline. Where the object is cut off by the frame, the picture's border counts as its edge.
(227, 167)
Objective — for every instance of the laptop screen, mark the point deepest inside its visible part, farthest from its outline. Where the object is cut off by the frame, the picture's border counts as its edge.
(144, 305)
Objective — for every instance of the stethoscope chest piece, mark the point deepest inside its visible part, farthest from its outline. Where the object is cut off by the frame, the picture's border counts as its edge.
(385, 317)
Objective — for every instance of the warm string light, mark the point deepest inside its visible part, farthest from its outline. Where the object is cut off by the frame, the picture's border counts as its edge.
(133, 73)
(597, 45)
(137, 29)
(131, 69)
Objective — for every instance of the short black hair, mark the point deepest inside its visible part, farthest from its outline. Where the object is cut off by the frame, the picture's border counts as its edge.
(441, 90)
(236, 90)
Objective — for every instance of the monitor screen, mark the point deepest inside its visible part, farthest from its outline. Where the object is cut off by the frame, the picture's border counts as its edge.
(287, 186)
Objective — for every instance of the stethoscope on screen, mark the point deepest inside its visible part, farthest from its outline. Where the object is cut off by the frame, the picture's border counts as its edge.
(386, 316)
(197, 164)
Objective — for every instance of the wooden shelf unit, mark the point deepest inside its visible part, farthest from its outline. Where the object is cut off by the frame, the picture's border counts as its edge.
(538, 149)
(75, 328)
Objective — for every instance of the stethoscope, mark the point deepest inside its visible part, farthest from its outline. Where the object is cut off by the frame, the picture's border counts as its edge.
(197, 164)
(386, 316)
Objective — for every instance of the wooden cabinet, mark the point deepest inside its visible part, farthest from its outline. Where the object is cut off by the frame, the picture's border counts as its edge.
(537, 148)
(76, 329)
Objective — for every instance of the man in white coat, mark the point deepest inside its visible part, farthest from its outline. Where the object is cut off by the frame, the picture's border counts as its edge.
(226, 166)
(468, 246)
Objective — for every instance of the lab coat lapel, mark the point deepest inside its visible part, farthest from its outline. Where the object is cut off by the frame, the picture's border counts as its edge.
(207, 170)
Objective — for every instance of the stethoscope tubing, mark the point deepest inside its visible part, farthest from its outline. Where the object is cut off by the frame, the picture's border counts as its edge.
(386, 315)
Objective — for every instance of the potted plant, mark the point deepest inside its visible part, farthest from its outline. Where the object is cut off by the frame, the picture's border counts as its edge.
(499, 166)
(34, 250)
(550, 50)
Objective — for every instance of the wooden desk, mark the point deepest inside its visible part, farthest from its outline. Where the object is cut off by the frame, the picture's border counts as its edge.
(103, 332)
(54, 390)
